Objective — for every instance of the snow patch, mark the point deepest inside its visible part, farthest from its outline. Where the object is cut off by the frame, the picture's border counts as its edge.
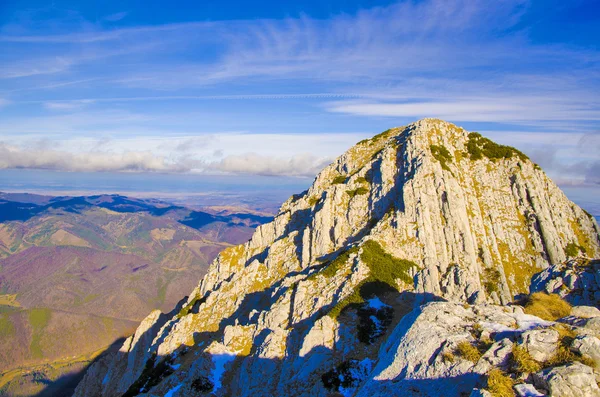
(376, 303)
(527, 390)
(528, 322)
(495, 327)
(357, 375)
(174, 390)
(220, 361)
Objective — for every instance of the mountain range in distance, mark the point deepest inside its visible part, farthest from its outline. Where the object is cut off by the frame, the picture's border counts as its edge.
(77, 273)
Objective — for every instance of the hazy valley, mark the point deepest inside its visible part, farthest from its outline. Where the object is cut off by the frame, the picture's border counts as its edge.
(77, 273)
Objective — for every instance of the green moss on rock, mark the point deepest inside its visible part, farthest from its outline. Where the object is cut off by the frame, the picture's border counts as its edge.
(441, 154)
(479, 147)
(357, 192)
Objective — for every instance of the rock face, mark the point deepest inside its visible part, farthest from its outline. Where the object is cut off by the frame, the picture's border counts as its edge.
(321, 299)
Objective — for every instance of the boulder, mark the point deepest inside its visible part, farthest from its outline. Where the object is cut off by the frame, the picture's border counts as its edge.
(585, 311)
(572, 380)
(588, 346)
(540, 343)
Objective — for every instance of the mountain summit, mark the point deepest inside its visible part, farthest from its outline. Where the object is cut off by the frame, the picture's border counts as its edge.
(321, 299)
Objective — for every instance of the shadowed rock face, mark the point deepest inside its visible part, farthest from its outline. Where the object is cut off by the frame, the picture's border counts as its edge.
(418, 213)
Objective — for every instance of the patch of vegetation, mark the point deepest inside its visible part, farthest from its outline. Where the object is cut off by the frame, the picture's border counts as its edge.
(333, 267)
(384, 269)
(346, 375)
(151, 376)
(479, 147)
(549, 307)
(492, 279)
(468, 351)
(383, 266)
(358, 191)
(38, 319)
(377, 153)
(564, 354)
(522, 362)
(6, 326)
(583, 239)
(361, 179)
(441, 154)
(448, 356)
(202, 384)
(573, 250)
(313, 201)
(193, 305)
(338, 180)
(499, 384)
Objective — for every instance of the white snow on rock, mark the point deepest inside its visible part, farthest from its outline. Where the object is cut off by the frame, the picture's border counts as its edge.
(174, 390)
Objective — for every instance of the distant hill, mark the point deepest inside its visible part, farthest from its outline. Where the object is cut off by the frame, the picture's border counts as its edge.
(76, 273)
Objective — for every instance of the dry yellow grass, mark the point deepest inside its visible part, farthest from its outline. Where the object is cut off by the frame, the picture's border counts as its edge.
(549, 307)
(564, 355)
(468, 351)
(522, 360)
(499, 384)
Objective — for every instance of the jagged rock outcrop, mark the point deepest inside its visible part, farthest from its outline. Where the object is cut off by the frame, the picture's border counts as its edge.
(577, 280)
(419, 213)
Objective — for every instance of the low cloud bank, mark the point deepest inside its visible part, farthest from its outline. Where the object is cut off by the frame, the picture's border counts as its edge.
(49, 159)
(251, 163)
(301, 165)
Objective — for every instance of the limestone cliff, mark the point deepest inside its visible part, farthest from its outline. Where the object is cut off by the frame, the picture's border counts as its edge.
(418, 213)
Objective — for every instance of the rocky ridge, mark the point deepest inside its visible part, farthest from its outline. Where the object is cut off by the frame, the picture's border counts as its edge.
(419, 213)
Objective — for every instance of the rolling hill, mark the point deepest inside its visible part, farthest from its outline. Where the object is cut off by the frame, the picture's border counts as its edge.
(77, 273)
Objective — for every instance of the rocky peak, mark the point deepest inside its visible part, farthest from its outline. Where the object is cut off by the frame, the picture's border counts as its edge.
(423, 212)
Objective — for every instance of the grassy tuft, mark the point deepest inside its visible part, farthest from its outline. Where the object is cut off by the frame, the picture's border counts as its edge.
(313, 201)
(338, 180)
(564, 354)
(499, 384)
(448, 357)
(549, 307)
(573, 250)
(467, 351)
(522, 360)
(359, 191)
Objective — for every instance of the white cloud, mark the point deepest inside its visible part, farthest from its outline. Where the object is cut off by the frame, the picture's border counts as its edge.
(49, 159)
(251, 163)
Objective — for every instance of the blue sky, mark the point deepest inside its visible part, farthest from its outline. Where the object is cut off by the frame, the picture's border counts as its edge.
(282, 88)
